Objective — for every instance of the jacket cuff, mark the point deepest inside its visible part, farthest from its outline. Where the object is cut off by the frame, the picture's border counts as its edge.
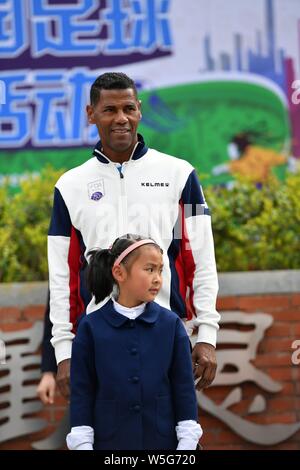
(63, 350)
(207, 334)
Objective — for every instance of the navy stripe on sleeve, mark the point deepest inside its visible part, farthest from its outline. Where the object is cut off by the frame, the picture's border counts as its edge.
(193, 198)
(60, 220)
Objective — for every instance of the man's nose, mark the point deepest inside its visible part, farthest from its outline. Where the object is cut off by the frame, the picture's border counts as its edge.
(121, 117)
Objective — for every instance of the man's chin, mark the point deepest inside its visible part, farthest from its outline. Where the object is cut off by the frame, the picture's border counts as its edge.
(122, 147)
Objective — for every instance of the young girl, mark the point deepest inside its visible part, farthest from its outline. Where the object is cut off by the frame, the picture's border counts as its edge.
(132, 383)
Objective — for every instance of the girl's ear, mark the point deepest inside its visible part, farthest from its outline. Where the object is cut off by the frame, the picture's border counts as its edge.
(119, 273)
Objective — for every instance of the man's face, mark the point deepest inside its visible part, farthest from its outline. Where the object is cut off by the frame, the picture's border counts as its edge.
(116, 116)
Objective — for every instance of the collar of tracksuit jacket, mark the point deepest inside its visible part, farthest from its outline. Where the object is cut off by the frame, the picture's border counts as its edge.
(139, 150)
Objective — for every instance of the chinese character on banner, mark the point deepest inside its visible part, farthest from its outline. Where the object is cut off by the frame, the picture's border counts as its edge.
(13, 28)
(62, 30)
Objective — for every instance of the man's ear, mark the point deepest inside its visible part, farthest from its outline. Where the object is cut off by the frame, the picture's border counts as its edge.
(90, 114)
(140, 108)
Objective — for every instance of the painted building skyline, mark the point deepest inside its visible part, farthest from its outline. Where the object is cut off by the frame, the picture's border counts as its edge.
(274, 65)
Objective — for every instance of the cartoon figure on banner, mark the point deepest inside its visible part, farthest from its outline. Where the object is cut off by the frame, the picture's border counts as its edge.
(249, 160)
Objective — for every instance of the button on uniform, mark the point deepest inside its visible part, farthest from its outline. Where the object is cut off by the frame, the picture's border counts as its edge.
(134, 379)
(136, 408)
(133, 351)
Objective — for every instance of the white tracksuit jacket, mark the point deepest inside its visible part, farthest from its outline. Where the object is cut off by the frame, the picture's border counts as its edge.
(154, 195)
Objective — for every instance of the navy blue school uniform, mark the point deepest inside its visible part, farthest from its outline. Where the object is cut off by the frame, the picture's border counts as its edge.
(132, 380)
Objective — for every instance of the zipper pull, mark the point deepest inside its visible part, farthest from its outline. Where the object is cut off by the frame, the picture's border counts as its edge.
(120, 168)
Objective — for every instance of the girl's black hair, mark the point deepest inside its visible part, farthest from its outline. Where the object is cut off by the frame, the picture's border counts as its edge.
(100, 280)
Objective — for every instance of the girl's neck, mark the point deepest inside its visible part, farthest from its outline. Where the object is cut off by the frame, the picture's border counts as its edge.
(127, 302)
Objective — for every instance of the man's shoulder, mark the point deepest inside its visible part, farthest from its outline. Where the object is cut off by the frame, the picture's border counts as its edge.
(78, 172)
(170, 159)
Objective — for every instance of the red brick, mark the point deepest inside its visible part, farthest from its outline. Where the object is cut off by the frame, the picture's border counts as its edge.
(288, 389)
(209, 437)
(280, 374)
(208, 423)
(259, 303)
(278, 329)
(281, 404)
(278, 345)
(295, 370)
(295, 300)
(241, 408)
(296, 331)
(281, 418)
(34, 312)
(275, 418)
(16, 444)
(291, 315)
(229, 437)
(279, 359)
(9, 314)
(287, 446)
(21, 325)
(218, 394)
(227, 303)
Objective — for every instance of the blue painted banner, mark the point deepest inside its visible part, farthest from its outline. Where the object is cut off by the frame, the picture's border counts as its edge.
(51, 51)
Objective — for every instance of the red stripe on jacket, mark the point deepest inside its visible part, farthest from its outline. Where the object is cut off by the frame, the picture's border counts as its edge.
(74, 262)
(186, 268)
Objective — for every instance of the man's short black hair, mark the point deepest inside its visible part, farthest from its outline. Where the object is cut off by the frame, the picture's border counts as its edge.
(110, 81)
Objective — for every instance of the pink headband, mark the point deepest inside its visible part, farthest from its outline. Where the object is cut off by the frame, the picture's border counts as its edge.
(131, 248)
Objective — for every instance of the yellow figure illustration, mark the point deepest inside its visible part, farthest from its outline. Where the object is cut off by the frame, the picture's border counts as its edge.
(250, 161)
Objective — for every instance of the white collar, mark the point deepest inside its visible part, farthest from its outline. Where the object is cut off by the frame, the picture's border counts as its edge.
(131, 313)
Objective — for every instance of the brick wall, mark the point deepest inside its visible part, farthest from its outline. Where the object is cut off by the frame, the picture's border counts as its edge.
(273, 357)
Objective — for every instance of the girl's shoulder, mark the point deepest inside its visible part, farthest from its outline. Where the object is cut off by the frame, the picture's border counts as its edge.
(168, 316)
(97, 316)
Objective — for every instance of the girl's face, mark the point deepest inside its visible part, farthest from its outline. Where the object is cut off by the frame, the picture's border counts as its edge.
(144, 279)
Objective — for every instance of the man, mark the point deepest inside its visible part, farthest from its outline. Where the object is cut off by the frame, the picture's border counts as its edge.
(128, 188)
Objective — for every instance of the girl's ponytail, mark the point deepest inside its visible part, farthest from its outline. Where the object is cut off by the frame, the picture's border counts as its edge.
(99, 277)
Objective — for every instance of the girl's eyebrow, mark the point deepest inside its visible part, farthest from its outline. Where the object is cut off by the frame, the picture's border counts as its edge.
(154, 264)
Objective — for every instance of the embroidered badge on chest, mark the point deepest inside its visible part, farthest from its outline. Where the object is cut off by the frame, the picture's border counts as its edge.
(96, 190)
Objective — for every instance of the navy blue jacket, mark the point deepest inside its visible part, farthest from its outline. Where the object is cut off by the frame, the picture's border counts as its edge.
(132, 380)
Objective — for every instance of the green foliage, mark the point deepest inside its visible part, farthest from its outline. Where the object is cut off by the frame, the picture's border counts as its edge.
(24, 222)
(257, 229)
(254, 229)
